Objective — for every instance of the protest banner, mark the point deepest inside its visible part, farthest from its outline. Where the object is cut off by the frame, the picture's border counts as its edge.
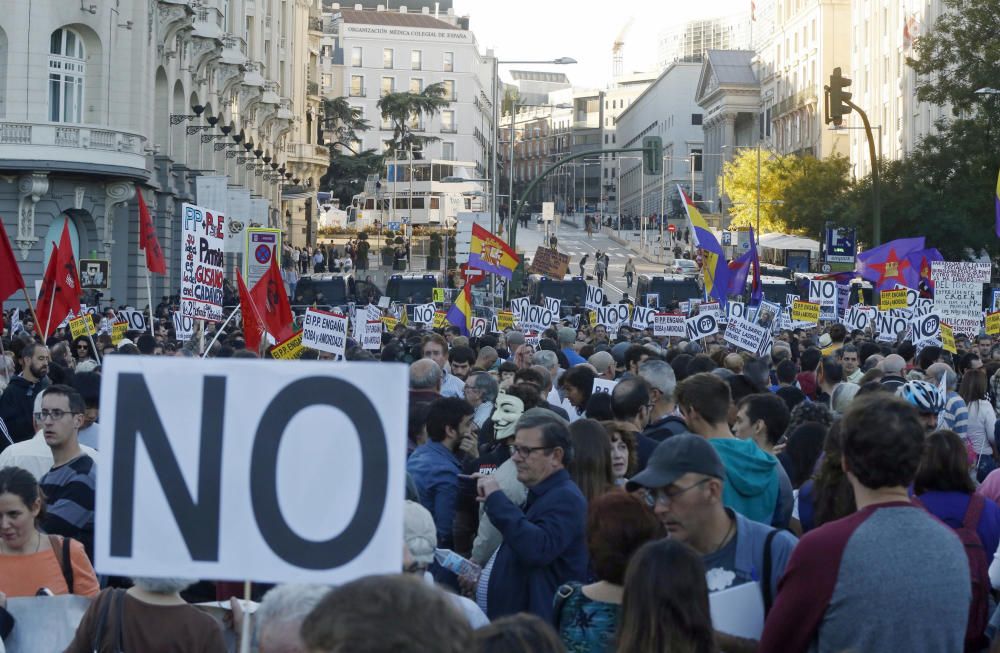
(478, 327)
(668, 325)
(958, 293)
(652, 300)
(325, 331)
(519, 306)
(805, 311)
(603, 385)
(423, 313)
(823, 293)
(922, 306)
(82, 326)
(537, 318)
(992, 323)
(390, 323)
(948, 338)
(177, 506)
(926, 329)
(437, 295)
(553, 304)
(183, 326)
(371, 337)
(532, 338)
(595, 297)
(44, 623)
(505, 320)
(118, 330)
(889, 327)
(745, 335)
(202, 262)
(892, 299)
(136, 319)
(642, 317)
(612, 315)
(290, 348)
(701, 326)
(550, 263)
(736, 310)
(440, 320)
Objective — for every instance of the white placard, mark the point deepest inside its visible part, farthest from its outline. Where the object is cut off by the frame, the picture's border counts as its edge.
(519, 307)
(423, 314)
(294, 434)
(823, 293)
(642, 318)
(923, 306)
(478, 327)
(926, 328)
(553, 304)
(710, 308)
(595, 297)
(701, 326)
(738, 610)
(183, 327)
(238, 210)
(612, 315)
(202, 262)
(136, 319)
(325, 331)
(603, 385)
(746, 335)
(736, 310)
(889, 327)
(669, 325)
(371, 338)
(537, 318)
(958, 294)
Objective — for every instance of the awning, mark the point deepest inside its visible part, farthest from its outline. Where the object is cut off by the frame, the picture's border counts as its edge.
(784, 242)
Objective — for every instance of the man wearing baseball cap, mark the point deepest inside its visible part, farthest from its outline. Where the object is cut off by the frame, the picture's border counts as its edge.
(683, 484)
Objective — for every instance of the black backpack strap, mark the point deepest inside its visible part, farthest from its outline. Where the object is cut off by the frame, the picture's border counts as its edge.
(102, 619)
(60, 549)
(765, 579)
(120, 616)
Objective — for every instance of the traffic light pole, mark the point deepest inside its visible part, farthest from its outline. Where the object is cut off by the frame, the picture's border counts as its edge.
(876, 176)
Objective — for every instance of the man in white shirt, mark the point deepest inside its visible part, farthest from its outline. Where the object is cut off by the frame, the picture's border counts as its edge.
(35, 455)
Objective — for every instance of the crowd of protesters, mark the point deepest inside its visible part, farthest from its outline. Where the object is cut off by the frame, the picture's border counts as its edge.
(853, 481)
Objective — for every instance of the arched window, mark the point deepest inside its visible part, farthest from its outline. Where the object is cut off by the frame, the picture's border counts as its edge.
(66, 75)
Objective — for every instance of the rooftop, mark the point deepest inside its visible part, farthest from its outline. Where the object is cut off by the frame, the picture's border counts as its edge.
(732, 66)
(539, 76)
(393, 19)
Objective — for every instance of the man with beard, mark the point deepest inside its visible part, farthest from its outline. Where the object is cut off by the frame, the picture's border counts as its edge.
(18, 399)
(435, 465)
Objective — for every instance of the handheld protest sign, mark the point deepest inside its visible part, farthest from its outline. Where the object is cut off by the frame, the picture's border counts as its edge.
(519, 306)
(701, 326)
(642, 317)
(805, 312)
(927, 328)
(553, 304)
(290, 348)
(948, 338)
(371, 337)
(325, 331)
(823, 293)
(82, 326)
(746, 335)
(309, 489)
(993, 323)
(479, 326)
(118, 330)
(612, 315)
(892, 299)
(669, 325)
(595, 297)
(424, 313)
(505, 320)
(183, 326)
(958, 293)
(603, 385)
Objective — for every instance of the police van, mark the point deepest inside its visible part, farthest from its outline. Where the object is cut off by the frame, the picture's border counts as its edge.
(669, 289)
(570, 290)
(327, 290)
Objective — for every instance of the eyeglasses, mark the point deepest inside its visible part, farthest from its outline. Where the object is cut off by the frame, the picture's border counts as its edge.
(55, 415)
(524, 452)
(666, 497)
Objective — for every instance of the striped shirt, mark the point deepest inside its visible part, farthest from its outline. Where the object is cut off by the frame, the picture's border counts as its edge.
(69, 497)
(955, 416)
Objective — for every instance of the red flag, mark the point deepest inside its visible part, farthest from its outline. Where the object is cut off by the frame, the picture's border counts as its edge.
(272, 303)
(148, 241)
(10, 275)
(51, 307)
(252, 328)
(69, 274)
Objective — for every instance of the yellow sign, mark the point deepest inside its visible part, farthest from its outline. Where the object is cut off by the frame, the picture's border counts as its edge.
(389, 322)
(440, 319)
(437, 295)
(890, 299)
(993, 323)
(289, 349)
(505, 320)
(118, 330)
(82, 326)
(948, 338)
(806, 311)
(593, 317)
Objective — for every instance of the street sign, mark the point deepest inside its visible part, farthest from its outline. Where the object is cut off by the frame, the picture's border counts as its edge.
(841, 244)
(727, 238)
(393, 226)
(548, 211)
(671, 228)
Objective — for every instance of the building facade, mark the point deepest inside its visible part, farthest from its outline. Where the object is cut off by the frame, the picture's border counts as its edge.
(372, 53)
(102, 100)
(617, 98)
(690, 41)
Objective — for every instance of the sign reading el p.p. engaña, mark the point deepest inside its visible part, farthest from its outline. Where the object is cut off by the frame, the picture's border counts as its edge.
(595, 297)
(669, 325)
(325, 331)
(371, 339)
(169, 503)
(746, 335)
(612, 315)
(701, 326)
(424, 313)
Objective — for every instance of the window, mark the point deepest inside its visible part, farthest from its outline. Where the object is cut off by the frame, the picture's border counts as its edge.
(356, 59)
(416, 85)
(385, 123)
(387, 58)
(447, 153)
(448, 121)
(449, 89)
(696, 156)
(357, 86)
(449, 62)
(695, 118)
(66, 75)
(388, 85)
(416, 59)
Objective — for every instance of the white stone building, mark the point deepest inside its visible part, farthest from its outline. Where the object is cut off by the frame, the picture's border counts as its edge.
(666, 109)
(617, 98)
(99, 99)
(385, 51)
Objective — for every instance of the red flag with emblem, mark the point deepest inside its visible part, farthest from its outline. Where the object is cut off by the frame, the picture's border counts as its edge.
(272, 303)
(253, 330)
(10, 274)
(148, 242)
(69, 274)
(55, 300)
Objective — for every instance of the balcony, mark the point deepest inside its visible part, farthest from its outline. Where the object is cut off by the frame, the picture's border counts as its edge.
(793, 102)
(55, 146)
(310, 154)
(208, 23)
(315, 24)
(234, 50)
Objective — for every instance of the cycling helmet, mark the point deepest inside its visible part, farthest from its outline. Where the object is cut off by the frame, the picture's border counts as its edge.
(923, 395)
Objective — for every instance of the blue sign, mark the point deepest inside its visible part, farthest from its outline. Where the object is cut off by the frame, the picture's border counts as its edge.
(393, 226)
(841, 244)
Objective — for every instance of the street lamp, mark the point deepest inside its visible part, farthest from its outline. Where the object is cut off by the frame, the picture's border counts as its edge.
(560, 61)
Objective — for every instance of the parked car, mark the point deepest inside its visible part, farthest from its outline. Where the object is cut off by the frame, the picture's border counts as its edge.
(684, 267)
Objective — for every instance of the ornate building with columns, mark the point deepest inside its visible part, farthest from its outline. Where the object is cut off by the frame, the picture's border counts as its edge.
(103, 98)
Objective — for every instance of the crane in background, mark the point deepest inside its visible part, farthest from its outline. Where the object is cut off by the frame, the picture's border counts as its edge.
(617, 47)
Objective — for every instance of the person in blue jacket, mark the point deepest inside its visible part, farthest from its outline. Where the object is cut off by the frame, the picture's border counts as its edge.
(545, 545)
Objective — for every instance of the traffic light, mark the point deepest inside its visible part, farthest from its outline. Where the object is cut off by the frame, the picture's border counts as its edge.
(838, 97)
(652, 155)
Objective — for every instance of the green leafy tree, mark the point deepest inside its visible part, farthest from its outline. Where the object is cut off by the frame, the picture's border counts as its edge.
(402, 108)
(343, 122)
(346, 175)
(812, 190)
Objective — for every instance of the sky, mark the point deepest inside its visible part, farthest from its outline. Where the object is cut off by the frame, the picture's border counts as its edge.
(583, 30)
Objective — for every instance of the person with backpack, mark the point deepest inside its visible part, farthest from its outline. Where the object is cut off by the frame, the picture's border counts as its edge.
(889, 577)
(944, 487)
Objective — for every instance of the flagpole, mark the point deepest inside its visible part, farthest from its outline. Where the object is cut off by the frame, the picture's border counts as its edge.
(52, 304)
(218, 332)
(31, 307)
(149, 294)
(90, 337)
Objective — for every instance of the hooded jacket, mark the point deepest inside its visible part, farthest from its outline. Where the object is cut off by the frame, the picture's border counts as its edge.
(16, 405)
(751, 478)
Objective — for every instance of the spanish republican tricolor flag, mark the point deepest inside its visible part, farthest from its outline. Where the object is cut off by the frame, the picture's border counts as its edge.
(714, 268)
(460, 313)
(996, 200)
(490, 253)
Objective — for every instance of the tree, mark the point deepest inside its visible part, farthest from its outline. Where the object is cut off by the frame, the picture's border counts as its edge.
(402, 109)
(343, 121)
(739, 179)
(812, 190)
(346, 175)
